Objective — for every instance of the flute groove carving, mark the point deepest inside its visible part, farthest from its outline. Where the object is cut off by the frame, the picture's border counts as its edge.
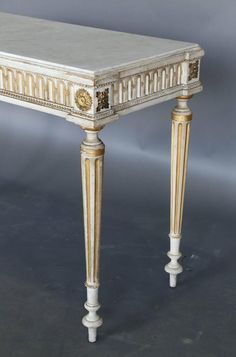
(181, 119)
(136, 87)
(36, 88)
(92, 153)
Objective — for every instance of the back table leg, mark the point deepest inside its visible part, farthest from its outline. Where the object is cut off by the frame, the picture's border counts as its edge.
(181, 119)
(92, 153)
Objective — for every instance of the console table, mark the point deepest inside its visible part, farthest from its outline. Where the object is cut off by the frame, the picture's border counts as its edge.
(91, 77)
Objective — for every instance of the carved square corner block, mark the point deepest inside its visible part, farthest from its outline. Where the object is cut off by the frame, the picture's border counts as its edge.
(194, 70)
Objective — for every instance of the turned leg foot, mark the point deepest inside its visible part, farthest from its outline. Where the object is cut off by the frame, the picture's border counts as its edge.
(92, 321)
(92, 153)
(173, 267)
(181, 119)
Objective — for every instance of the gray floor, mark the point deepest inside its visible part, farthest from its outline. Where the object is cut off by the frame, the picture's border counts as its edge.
(42, 275)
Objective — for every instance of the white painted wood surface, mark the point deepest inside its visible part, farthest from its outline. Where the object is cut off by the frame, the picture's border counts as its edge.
(181, 119)
(92, 153)
(91, 77)
(43, 65)
(85, 49)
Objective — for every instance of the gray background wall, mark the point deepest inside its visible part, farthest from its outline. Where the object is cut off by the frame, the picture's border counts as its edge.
(34, 138)
(41, 153)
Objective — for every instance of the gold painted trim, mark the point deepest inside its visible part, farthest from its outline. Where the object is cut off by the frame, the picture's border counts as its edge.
(181, 117)
(93, 129)
(134, 88)
(35, 86)
(92, 152)
(97, 218)
(179, 128)
(179, 158)
(185, 96)
(93, 172)
(187, 133)
(88, 238)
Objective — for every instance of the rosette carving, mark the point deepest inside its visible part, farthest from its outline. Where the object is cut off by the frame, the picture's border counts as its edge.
(83, 100)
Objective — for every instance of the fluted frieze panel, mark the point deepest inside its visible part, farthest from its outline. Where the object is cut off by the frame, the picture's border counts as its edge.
(95, 101)
(36, 88)
(147, 83)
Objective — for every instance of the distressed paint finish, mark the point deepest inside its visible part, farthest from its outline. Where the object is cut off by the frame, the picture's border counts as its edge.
(181, 119)
(40, 76)
(92, 77)
(92, 153)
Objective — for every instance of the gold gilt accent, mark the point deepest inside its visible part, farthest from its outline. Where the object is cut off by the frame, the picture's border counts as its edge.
(185, 96)
(103, 100)
(193, 70)
(91, 152)
(83, 100)
(88, 223)
(92, 173)
(181, 118)
(35, 88)
(179, 158)
(134, 88)
(97, 214)
(97, 129)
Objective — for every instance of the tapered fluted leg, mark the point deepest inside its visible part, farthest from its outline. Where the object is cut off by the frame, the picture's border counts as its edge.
(181, 119)
(92, 153)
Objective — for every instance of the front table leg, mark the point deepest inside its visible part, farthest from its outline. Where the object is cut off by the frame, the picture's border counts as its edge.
(92, 153)
(181, 119)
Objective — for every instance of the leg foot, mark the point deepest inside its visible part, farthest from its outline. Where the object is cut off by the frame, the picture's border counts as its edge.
(173, 267)
(173, 280)
(92, 334)
(92, 320)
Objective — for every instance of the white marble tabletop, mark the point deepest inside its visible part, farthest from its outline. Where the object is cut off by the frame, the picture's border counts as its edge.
(85, 48)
